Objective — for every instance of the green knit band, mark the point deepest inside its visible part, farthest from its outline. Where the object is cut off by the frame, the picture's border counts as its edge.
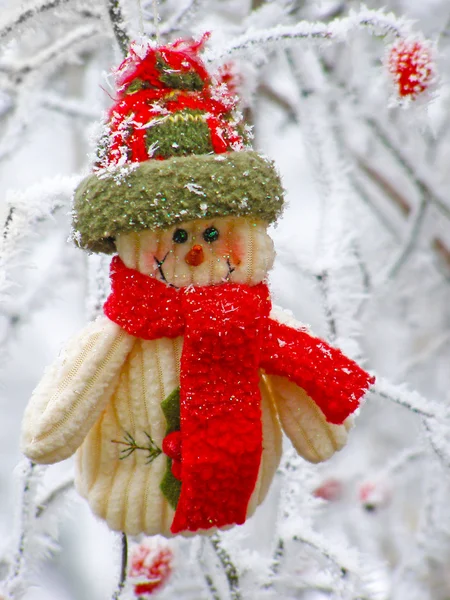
(158, 194)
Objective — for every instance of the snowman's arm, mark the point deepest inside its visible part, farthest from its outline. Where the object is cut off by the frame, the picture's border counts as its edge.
(304, 423)
(74, 391)
(334, 382)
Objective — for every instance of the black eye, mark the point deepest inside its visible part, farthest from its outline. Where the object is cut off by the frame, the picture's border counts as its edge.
(180, 236)
(211, 234)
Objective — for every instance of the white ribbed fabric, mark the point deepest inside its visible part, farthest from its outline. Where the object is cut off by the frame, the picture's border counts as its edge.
(74, 391)
(304, 423)
(126, 492)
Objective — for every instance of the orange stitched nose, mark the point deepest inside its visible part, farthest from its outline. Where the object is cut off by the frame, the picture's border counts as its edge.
(195, 256)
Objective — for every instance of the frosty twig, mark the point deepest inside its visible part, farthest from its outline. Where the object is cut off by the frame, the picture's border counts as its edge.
(210, 584)
(68, 106)
(123, 569)
(399, 394)
(323, 283)
(182, 17)
(52, 53)
(25, 14)
(14, 582)
(53, 496)
(417, 178)
(377, 22)
(410, 239)
(118, 25)
(229, 568)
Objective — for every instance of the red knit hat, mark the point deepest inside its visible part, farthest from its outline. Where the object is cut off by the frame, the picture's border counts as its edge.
(174, 149)
(166, 92)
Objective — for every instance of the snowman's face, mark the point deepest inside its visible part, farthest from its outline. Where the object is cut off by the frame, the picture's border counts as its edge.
(201, 252)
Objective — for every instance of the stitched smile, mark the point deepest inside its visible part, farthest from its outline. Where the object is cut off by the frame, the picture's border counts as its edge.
(159, 264)
(230, 270)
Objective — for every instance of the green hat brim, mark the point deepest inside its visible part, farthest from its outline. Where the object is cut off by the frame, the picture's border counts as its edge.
(159, 194)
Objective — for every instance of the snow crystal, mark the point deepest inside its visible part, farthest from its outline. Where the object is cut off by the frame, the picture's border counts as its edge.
(119, 172)
(152, 149)
(195, 189)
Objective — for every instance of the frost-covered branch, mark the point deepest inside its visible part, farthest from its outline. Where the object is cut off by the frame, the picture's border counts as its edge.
(14, 20)
(410, 399)
(117, 594)
(323, 285)
(27, 493)
(118, 24)
(384, 185)
(334, 12)
(400, 462)
(365, 196)
(228, 566)
(29, 541)
(21, 310)
(15, 581)
(276, 563)
(377, 177)
(429, 352)
(53, 53)
(70, 107)
(97, 285)
(209, 581)
(52, 497)
(183, 17)
(24, 211)
(337, 260)
(410, 241)
(425, 188)
(435, 417)
(30, 74)
(375, 21)
(347, 569)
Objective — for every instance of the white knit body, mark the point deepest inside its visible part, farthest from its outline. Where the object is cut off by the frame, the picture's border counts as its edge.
(125, 492)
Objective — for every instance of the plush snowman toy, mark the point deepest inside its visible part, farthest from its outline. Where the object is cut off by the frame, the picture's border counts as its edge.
(175, 399)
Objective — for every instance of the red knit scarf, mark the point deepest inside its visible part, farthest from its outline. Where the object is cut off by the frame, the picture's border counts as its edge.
(219, 395)
(228, 337)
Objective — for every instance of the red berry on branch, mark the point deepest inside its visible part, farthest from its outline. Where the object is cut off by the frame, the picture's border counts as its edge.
(331, 489)
(410, 62)
(230, 76)
(374, 496)
(151, 565)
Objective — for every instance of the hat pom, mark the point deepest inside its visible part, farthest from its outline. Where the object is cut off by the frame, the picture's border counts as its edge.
(168, 105)
(176, 66)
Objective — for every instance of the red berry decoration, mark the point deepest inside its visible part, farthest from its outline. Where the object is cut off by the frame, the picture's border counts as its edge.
(151, 565)
(411, 63)
(171, 445)
(331, 490)
(374, 496)
(229, 75)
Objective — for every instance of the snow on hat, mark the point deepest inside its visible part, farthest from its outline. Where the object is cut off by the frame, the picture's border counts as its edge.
(174, 149)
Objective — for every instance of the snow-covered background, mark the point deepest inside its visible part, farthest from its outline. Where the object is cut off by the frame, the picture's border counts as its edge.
(363, 258)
